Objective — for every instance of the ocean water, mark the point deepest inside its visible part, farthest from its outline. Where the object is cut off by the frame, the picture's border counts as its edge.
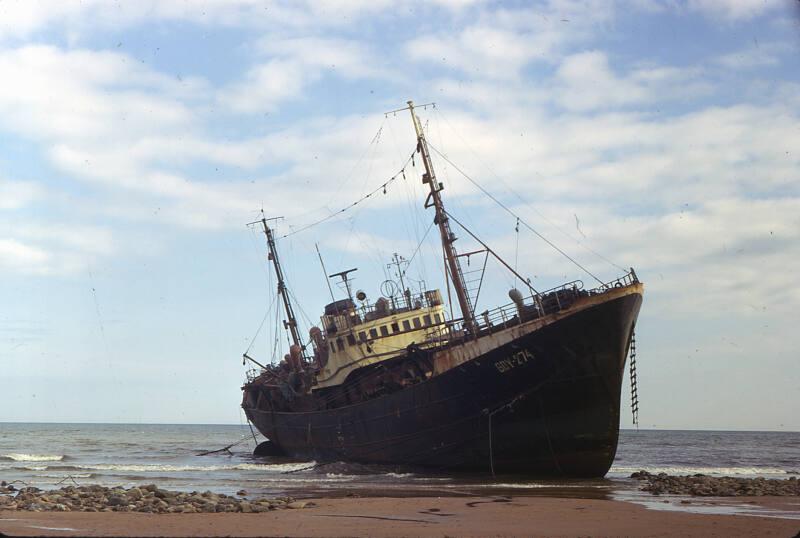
(54, 455)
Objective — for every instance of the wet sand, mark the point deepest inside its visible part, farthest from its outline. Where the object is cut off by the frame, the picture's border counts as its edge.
(423, 516)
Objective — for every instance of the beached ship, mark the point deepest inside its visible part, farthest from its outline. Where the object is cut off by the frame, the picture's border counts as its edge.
(532, 387)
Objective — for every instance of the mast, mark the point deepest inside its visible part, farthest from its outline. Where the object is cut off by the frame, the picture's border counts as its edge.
(291, 322)
(448, 237)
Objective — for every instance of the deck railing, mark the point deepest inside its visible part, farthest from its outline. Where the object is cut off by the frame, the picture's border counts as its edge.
(537, 305)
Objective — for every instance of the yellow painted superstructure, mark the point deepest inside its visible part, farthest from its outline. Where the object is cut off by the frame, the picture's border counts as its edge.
(353, 343)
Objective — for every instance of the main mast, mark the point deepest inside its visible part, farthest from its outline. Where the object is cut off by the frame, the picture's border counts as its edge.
(448, 237)
(291, 322)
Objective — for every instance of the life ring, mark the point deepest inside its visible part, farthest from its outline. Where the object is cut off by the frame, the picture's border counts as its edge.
(618, 285)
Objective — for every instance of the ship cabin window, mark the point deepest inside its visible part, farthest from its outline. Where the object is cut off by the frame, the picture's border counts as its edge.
(340, 344)
(395, 327)
(437, 317)
(384, 330)
(373, 333)
(417, 323)
(426, 319)
(351, 339)
(362, 336)
(406, 325)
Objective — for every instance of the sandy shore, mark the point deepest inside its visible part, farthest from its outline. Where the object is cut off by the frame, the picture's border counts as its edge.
(437, 516)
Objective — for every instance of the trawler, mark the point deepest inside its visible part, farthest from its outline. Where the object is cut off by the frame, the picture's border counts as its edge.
(532, 387)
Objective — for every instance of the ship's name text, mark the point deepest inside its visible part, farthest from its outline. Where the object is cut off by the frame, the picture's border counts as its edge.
(517, 359)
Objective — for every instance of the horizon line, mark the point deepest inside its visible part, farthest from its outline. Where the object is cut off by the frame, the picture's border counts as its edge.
(631, 429)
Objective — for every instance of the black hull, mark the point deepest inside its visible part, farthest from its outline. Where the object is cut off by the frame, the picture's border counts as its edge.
(545, 403)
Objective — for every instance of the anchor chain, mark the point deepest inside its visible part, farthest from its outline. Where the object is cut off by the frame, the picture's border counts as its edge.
(634, 387)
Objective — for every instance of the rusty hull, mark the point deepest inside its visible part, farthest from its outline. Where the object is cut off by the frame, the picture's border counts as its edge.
(540, 398)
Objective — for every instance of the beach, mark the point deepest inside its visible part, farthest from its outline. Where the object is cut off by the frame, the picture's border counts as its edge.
(427, 516)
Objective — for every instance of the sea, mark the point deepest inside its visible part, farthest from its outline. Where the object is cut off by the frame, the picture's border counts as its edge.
(219, 458)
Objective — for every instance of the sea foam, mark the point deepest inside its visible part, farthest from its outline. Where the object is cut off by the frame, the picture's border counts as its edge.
(159, 467)
(33, 457)
(721, 471)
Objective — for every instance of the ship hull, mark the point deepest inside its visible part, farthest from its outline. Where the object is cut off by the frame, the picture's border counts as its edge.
(544, 401)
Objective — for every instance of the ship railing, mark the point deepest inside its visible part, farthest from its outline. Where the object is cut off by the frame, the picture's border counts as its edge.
(252, 374)
(544, 303)
(531, 307)
(424, 299)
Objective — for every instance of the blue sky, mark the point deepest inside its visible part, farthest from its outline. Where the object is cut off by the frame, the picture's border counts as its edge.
(138, 139)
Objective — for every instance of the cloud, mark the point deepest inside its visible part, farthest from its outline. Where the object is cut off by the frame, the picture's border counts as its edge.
(503, 42)
(267, 85)
(62, 249)
(18, 194)
(120, 126)
(733, 10)
(727, 255)
(19, 18)
(19, 256)
(111, 122)
(758, 55)
(292, 65)
(85, 95)
(585, 82)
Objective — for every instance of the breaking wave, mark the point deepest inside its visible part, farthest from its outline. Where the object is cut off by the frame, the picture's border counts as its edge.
(154, 468)
(32, 457)
(719, 471)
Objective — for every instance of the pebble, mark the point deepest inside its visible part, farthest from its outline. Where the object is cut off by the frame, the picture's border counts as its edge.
(146, 499)
(707, 486)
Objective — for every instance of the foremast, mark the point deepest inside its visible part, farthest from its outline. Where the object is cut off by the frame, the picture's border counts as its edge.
(290, 322)
(441, 219)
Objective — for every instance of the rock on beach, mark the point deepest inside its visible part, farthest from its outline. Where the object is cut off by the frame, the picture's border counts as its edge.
(147, 499)
(708, 486)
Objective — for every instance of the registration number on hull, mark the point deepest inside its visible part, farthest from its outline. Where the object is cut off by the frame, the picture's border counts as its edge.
(517, 359)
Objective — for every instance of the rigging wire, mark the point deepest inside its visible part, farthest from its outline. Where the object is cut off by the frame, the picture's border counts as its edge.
(261, 326)
(276, 333)
(375, 139)
(350, 236)
(516, 248)
(525, 202)
(493, 253)
(509, 211)
(380, 188)
(416, 220)
(269, 287)
(421, 242)
(299, 307)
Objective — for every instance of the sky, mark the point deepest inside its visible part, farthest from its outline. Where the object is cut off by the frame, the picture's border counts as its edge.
(138, 140)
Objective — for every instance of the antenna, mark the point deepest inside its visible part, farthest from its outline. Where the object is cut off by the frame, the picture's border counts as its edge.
(397, 260)
(343, 276)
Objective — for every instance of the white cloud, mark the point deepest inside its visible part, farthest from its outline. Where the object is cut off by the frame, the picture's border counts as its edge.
(501, 43)
(292, 65)
(734, 10)
(20, 18)
(758, 55)
(585, 81)
(17, 194)
(50, 94)
(266, 85)
(58, 248)
(16, 255)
